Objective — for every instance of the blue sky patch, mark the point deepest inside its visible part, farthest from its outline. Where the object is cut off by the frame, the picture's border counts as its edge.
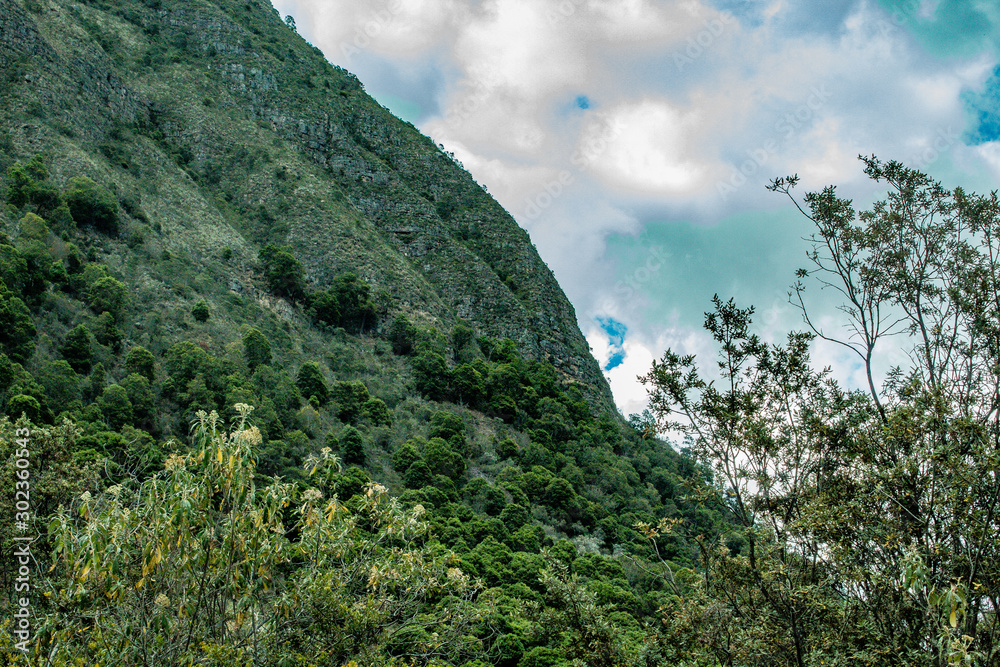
(983, 108)
(616, 338)
(582, 102)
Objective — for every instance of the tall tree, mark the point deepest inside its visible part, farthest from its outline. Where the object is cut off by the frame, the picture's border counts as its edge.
(866, 519)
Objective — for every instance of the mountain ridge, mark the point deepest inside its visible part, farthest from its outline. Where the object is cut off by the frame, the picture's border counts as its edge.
(329, 172)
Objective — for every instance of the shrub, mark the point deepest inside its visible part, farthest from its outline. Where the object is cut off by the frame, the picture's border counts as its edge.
(256, 349)
(91, 205)
(200, 312)
(77, 350)
(311, 383)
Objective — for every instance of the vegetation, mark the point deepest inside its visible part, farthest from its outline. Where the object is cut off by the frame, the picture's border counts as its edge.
(502, 489)
(220, 219)
(866, 519)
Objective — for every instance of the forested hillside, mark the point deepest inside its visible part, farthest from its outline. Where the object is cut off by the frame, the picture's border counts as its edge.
(298, 390)
(282, 385)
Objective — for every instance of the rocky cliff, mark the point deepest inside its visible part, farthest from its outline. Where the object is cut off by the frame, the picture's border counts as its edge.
(219, 129)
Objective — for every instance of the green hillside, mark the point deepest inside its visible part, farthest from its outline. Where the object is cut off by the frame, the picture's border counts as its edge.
(280, 384)
(201, 212)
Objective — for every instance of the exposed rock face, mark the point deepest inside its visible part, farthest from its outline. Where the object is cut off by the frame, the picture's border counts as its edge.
(231, 130)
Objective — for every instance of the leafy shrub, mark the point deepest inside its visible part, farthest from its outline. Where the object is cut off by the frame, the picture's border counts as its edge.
(283, 273)
(256, 349)
(91, 205)
(200, 312)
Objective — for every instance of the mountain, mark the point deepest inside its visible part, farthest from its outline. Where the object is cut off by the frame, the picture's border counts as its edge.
(215, 125)
(204, 222)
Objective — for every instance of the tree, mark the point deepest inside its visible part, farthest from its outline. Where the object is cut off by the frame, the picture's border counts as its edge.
(140, 395)
(77, 350)
(107, 295)
(141, 361)
(357, 310)
(200, 311)
(61, 383)
(376, 412)
(198, 556)
(256, 349)
(116, 406)
(18, 331)
(402, 335)
(351, 397)
(91, 205)
(432, 375)
(283, 272)
(352, 449)
(862, 518)
(311, 383)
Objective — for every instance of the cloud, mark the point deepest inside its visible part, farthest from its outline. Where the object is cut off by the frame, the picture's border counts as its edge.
(646, 146)
(610, 128)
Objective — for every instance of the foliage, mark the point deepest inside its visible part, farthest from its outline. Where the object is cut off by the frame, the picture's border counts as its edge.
(200, 312)
(256, 349)
(141, 361)
(347, 304)
(864, 518)
(195, 559)
(311, 383)
(107, 295)
(282, 272)
(18, 331)
(92, 205)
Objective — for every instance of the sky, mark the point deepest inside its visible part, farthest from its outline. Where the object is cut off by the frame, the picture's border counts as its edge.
(633, 139)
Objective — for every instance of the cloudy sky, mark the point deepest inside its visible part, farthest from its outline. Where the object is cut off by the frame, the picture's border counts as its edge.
(633, 138)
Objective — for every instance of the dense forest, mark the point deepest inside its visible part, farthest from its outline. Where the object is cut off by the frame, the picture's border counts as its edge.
(232, 444)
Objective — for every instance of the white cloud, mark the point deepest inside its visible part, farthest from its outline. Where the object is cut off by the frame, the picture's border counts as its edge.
(645, 146)
(681, 97)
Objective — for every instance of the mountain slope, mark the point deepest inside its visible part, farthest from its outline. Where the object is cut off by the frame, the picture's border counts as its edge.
(217, 126)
